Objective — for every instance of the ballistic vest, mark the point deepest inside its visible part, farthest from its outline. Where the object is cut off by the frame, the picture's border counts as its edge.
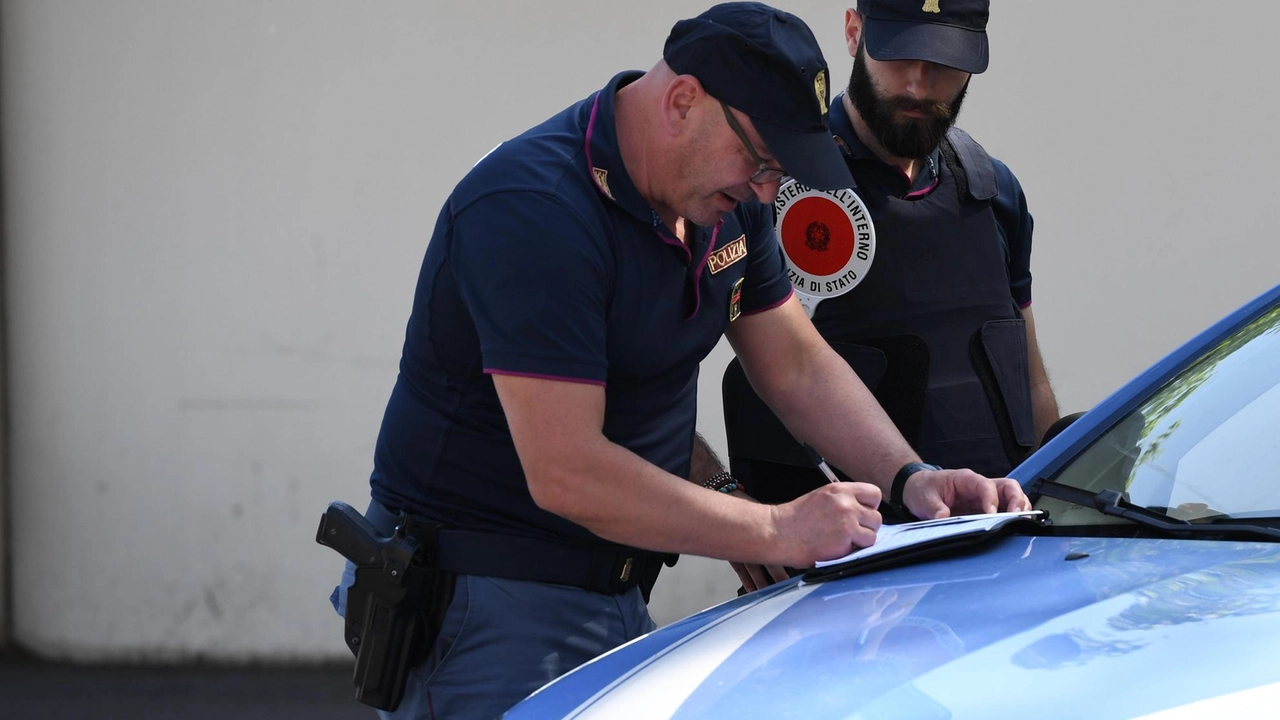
(930, 328)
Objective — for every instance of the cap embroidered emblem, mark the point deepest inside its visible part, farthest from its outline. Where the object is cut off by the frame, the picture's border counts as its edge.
(820, 88)
(931, 6)
(602, 180)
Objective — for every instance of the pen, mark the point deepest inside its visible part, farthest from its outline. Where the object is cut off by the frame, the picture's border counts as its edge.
(822, 464)
(826, 470)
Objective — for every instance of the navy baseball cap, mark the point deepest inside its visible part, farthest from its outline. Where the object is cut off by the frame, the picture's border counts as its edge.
(946, 32)
(766, 63)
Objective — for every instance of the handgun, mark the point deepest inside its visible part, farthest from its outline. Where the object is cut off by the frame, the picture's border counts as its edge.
(395, 605)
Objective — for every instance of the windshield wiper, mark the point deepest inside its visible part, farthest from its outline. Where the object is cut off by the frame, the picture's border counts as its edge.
(1116, 504)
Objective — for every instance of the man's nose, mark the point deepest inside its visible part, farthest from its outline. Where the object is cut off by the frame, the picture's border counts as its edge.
(920, 76)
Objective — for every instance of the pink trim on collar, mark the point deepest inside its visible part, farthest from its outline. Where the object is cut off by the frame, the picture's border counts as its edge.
(921, 193)
(697, 272)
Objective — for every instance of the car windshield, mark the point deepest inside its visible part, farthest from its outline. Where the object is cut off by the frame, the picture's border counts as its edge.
(1204, 446)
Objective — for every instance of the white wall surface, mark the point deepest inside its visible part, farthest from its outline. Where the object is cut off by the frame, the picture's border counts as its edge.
(215, 213)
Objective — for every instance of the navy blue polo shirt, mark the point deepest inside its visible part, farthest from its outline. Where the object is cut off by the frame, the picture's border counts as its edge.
(546, 262)
(1013, 219)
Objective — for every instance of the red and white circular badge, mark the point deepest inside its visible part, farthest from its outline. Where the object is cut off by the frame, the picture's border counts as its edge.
(827, 237)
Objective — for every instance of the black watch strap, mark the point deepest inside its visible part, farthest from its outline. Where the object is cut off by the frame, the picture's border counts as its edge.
(900, 482)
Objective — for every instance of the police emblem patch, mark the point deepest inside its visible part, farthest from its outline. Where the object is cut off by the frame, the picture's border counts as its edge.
(602, 180)
(735, 300)
(931, 6)
(728, 255)
(828, 239)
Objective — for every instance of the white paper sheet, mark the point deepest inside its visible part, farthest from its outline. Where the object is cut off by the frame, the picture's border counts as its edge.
(893, 537)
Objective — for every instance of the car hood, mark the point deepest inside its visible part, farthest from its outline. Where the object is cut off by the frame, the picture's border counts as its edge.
(1043, 626)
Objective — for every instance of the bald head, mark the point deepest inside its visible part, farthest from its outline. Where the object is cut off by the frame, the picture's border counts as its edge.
(681, 153)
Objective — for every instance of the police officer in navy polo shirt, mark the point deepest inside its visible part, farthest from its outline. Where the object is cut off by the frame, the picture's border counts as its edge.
(918, 273)
(545, 408)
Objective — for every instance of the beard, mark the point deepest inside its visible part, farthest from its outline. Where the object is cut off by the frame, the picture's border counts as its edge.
(903, 136)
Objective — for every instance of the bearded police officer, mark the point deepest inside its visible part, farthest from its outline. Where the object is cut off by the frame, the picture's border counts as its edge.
(544, 414)
(918, 273)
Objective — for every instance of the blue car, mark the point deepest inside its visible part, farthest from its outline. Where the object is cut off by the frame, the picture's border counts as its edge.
(1152, 590)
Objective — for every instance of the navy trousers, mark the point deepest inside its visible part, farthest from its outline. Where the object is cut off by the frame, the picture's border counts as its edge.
(503, 639)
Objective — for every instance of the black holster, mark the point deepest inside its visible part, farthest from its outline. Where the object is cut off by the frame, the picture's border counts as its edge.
(397, 603)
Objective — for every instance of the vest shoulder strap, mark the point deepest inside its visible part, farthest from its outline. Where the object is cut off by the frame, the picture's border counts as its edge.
(975, 174)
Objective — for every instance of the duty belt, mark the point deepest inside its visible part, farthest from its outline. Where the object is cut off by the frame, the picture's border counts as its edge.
(608, 569)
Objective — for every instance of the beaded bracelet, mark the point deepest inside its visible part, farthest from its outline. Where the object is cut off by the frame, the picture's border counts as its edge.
(722, 482)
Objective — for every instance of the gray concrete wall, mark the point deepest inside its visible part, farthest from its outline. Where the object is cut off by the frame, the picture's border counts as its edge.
(215, 214)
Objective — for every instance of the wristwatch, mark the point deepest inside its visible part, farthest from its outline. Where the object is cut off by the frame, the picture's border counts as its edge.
(900, 482)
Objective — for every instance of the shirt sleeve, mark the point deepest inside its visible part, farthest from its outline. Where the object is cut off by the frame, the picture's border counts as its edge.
(536, 283)
(765, 283)
(1016, 224)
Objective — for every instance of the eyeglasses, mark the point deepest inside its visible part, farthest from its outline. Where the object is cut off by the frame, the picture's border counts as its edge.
(765, 173)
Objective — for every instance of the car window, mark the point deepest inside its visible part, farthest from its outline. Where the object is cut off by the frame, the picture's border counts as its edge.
(1207, 442)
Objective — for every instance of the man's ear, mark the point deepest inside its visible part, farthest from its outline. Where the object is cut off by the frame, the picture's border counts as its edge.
(683, 94)
(852, 30)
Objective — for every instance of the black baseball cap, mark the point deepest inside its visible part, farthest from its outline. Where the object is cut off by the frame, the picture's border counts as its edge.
(766, 63)
(946, 32)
